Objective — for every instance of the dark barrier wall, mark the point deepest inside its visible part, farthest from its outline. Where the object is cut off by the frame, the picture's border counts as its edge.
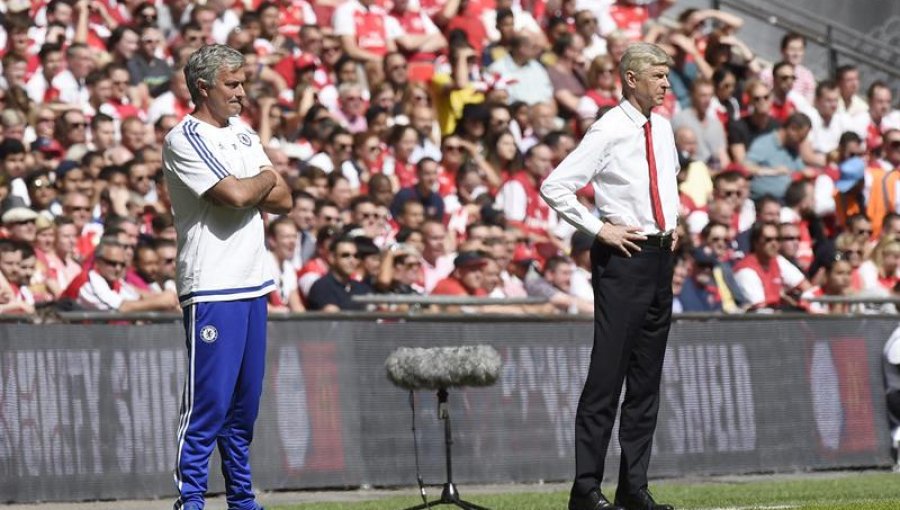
(90, 411)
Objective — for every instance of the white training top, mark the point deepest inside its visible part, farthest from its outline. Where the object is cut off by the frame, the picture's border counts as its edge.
(221, 250)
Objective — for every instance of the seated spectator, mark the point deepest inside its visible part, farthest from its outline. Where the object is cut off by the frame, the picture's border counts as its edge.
(334, 292)
(14, 167)
(774, 159)
(836, 284)
(400, 271)
(580, 253)
(15, 296)
(423, 191)
(281, 238)
(369, 260)
(532, 81)
(146, 266)
(602, 90)
(768, 280)
(695, 181)
(167, 251)
(103, 287)
(785, 101)
(467, 278)
(879, 273)
(556, 286)
(318, 265)
(41, 192)
(437, 262)
(711, 146)
(742, 133)
(18, 221)
(851, 247)
(828, 124)
(700, 291)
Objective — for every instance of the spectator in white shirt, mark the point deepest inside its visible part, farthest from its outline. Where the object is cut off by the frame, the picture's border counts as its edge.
(282, 242)
(103, 287)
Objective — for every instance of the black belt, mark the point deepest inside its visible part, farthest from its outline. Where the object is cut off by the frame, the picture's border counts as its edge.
(656, 241)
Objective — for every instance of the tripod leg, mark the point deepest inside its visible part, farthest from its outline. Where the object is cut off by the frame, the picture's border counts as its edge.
(423, 506)
(470, 506)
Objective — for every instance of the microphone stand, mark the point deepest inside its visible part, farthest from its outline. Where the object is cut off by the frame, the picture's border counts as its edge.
(449, 495)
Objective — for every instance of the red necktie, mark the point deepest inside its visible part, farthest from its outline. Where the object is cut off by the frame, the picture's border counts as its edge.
(654, 187)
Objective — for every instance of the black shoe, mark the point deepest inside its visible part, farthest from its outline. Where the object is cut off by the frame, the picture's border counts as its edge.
(594, 500)
(641, 500)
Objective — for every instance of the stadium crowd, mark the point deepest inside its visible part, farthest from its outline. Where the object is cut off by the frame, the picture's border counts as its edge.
(415, 136)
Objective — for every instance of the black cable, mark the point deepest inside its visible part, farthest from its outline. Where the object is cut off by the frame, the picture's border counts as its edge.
(412, 406)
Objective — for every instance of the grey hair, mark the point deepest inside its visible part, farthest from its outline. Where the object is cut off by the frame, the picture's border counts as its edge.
(106, 242)
(640, 56)
(205, 64)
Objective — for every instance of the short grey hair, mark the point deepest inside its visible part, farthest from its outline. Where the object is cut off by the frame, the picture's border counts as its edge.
(205, 64)
(106, 242)
(640, 56)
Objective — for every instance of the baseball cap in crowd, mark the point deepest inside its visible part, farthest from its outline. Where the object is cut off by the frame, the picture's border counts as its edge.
(581, 242)
(47, 146)
(524, 254)
(467, 259)
(65, 166)
(852, 171)
(15, 211)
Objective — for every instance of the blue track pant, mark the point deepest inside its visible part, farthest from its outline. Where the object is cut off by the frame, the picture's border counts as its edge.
(226, 343)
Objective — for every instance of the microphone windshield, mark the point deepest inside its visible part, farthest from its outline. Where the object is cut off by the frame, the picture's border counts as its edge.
(416, 368)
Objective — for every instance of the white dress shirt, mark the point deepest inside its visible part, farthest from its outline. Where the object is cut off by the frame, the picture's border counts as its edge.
(613, 157)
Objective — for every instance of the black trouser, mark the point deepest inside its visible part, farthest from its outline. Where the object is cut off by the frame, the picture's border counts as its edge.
(632, 312)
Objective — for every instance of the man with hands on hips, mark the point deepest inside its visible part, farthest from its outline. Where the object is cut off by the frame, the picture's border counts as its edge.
(629, 156)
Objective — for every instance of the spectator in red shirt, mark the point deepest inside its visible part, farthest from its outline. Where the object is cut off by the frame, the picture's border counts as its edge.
(467, 278)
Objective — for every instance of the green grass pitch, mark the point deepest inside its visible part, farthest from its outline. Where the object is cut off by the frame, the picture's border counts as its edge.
(870, 491)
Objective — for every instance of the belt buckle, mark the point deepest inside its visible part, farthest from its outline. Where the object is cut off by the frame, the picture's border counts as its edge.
(664, 240)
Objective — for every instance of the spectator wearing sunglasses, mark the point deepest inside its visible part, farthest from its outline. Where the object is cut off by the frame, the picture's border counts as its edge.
(103, 287)
(334, 292)
(768, 280)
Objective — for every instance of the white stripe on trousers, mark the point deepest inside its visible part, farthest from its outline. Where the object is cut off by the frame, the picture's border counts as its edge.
(187, 400)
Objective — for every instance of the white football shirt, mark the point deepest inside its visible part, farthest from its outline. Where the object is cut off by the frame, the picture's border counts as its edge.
(221, 250)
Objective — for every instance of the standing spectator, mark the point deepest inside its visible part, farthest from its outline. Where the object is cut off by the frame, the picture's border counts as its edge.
(775, 157)
(712, 148)
(532, 81)
(766, 278)
(334, 292)
(847, 77)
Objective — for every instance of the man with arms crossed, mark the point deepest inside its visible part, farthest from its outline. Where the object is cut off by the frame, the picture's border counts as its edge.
(220, 181)
(630, 158)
